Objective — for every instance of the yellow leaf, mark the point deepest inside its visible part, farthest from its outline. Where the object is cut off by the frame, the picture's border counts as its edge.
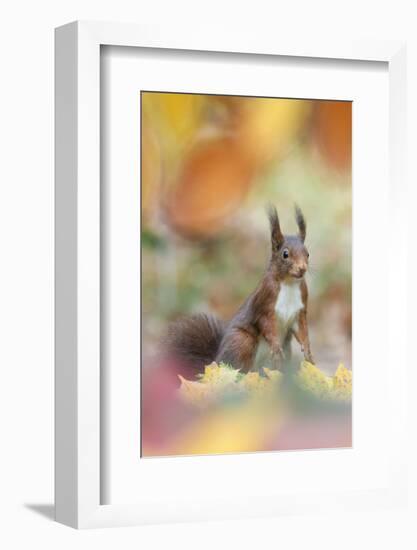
(311, 379)
(219, 381)
(219, 375)
(253, 382)
(342, 382)
(274, 375)
(194, 393)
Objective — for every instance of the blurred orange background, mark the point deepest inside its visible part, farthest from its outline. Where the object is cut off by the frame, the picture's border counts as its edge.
(209, 165)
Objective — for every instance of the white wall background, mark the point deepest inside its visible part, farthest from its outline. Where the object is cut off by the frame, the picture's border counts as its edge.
(26, 270)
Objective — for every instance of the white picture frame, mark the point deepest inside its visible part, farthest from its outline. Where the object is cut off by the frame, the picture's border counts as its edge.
(78, 405)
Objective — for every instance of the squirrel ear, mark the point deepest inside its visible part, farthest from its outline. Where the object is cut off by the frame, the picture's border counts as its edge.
(276, 235)
(302, 228)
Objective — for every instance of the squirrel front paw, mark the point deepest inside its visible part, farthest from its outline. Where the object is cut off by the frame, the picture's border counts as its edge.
(309, 357)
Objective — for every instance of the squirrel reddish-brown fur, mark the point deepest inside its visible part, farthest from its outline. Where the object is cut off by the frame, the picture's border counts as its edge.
(276, 311)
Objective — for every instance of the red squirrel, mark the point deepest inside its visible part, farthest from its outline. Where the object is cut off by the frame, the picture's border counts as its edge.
(276, 311)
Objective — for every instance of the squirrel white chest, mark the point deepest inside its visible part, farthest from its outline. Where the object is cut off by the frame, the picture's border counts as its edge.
(288, 303)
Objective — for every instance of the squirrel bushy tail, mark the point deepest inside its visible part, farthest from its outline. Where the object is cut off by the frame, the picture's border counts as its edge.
(195, 340)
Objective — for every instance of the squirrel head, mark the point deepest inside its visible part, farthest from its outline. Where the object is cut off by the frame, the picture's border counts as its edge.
(289, 257)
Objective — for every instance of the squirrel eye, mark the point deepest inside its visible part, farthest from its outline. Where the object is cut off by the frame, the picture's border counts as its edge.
(285, 253)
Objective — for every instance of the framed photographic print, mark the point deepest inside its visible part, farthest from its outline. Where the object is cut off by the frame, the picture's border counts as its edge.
(224, 332)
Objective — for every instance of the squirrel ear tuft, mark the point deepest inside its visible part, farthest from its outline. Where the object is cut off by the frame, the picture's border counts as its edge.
(302, 227)
(277, 237)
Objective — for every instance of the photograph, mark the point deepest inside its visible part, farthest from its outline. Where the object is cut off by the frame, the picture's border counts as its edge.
(208, 266)
(246, 274)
